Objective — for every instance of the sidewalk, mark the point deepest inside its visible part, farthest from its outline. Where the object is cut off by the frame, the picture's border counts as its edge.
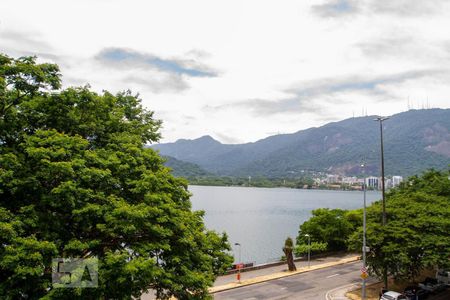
(227, 282)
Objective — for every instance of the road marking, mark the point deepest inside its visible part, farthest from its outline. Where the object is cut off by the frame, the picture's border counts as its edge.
(347, 287)
(333, 275)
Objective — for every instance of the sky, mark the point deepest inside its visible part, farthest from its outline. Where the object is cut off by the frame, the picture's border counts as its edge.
(240, 71)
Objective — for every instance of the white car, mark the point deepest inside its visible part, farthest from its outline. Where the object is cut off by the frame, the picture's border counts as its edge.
(390, 295)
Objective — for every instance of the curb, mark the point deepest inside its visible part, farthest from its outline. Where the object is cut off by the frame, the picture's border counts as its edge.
(340, 293)
(341, 290)
(279, 275)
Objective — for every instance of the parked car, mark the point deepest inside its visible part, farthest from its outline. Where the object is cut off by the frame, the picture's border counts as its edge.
(432, 285)
(391, 295)
(415, 293)
(443, 276)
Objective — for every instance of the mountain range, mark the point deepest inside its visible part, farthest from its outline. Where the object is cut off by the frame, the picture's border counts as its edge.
(413, 141)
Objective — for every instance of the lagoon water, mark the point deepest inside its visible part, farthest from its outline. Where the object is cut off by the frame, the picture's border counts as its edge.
(260, 219)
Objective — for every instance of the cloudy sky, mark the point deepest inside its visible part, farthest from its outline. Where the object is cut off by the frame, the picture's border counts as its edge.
(243, 70)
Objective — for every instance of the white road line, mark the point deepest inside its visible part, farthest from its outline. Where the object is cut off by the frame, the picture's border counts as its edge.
(333, 275)
(328, 295)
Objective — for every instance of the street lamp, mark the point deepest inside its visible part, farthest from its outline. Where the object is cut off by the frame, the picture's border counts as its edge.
(380, 120)
(364, 233)
(240, 263)
(309, 250)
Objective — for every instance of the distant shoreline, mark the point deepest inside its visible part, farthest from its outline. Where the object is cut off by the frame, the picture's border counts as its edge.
(284, 187)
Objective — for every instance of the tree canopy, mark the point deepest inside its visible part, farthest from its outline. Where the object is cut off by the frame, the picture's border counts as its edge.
(328, 230)
(77, 181)
(417, 232)
(416, 236)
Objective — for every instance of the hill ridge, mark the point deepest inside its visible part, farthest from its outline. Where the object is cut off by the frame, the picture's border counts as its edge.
(414, 141)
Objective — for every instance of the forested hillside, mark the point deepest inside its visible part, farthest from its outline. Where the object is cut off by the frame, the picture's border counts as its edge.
(184, 169)
(414, 141)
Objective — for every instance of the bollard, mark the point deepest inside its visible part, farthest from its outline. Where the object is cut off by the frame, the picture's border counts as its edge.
(238, 275)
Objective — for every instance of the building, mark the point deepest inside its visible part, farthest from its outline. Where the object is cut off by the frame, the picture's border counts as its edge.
(350, 180)
(333, 179)
(396, 180)
(372, 182)
(387, 183)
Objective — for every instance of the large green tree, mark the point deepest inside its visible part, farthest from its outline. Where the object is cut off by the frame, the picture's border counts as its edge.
(417, 232)
(77, 181)
(328, 229)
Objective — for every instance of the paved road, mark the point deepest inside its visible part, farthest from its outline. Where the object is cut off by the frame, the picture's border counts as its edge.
(221, 280)
(310, 285)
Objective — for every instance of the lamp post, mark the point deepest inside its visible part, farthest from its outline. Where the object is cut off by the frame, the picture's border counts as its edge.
(309, 250)
(380, 120)
(240, 263)
(363, 294)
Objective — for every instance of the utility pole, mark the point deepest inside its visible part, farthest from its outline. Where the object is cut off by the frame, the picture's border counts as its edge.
(380, 120)
(363, 294)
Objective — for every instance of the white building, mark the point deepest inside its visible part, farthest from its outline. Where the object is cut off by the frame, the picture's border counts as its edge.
(372, 182)
(396, 180)
(333, 179)
(349, 180)
(387, 183)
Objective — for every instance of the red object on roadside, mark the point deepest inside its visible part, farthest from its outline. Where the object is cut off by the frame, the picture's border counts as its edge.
(239, 267)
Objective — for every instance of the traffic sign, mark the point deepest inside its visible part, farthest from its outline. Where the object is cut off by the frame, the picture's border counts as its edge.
(363, 269)
(364, 275)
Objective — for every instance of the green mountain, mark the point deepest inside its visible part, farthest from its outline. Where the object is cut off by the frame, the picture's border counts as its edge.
(184, 169)
(413, 141)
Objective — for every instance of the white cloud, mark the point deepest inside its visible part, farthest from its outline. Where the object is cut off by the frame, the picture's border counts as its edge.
(241, 70)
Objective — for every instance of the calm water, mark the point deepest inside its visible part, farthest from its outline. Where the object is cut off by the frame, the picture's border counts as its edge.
(260, 219)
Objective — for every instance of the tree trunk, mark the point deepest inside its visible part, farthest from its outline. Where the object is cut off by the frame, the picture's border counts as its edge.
(290, 259)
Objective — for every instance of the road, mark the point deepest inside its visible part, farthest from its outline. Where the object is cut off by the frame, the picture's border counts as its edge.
(309, 285)
(221, 280)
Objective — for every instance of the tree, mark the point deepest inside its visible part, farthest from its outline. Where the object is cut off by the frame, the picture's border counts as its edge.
(327, 226)
(77, 181)
(287, 249)
(416, 235)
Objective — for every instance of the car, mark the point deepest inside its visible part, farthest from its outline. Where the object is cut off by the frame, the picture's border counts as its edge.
(391, 295)
(414, 292)
(432, 285)
(443, 276)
